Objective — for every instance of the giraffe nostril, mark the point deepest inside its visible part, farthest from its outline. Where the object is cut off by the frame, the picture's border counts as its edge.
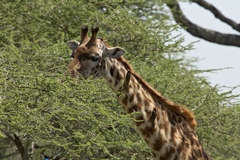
(95, 58)
(74, 75)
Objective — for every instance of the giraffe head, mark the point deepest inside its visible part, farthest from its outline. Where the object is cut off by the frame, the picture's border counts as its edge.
(89, 55)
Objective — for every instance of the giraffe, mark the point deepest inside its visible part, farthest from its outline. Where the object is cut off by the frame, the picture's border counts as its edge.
(167, 127)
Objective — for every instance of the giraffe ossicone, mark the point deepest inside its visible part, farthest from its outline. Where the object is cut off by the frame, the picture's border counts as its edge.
(167, 128)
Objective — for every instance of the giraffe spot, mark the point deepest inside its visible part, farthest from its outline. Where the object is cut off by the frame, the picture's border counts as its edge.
(179, 149)
(147, 131)
(180, 120)
(181, 146)
(151, 130)
(198, 153)
(187, 145)
(194, 141)
(158, 114)
(197, 144)
(186, 132)
(112, 71)
(173, 136)
(148, 114)
(131, 98)
(159, 143)
(164, 126)
(118, 76)
(146, 102)
(139, 99)
(174, 117)
(191, 157)
(176, 157)
(185, 126)
(134, 108)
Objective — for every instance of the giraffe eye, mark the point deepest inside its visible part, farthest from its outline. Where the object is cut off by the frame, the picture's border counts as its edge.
(95, 58)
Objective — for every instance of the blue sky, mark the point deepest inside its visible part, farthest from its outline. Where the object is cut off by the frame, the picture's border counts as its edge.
(213, 56)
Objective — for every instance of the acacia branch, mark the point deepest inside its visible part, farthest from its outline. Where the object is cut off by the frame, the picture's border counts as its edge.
(21, 149)
(218, 14)
(195, 30)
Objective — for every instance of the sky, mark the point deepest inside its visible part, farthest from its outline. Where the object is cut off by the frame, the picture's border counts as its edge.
(214, 56)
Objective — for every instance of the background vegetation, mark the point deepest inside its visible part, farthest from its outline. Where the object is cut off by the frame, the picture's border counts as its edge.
(43, 112)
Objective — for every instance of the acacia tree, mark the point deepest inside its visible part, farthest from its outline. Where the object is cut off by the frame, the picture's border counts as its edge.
(206, 34)
(44, 112)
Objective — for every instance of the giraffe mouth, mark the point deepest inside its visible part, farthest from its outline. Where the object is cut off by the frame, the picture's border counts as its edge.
(74, 71)
(74, 74)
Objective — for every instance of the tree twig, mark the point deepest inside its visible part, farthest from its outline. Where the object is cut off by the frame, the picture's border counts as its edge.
(218, 14)
(21, 148)
(195, 30)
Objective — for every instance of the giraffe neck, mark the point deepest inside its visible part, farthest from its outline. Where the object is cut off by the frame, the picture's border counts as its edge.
(168, 134)
(133, 97)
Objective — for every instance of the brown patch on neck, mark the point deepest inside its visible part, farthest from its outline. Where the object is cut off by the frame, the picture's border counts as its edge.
(176, 108)
(127, 80)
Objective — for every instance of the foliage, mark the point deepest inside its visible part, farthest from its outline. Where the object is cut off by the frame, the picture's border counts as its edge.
(41, 105)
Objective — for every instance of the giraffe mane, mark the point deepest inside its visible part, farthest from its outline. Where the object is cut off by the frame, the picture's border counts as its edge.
(174, 107)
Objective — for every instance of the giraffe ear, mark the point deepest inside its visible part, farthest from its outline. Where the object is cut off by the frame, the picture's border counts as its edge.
(73, 45)
(113, 52)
